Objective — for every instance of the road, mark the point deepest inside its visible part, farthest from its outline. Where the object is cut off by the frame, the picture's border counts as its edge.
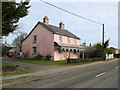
(103, 75)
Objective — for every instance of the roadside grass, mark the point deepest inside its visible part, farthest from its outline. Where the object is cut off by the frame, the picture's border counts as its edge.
(16, 80)
(43, 62)
(96, 61)
(0, 64)
(82, 63)
(8, 70)
(110, 59)
(62, 62)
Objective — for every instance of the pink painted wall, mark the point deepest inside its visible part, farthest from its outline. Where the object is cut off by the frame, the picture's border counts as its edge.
(56, 37)
(72, 55)
(44, 43)
(57, 55)
(64, 39)
(64, 55)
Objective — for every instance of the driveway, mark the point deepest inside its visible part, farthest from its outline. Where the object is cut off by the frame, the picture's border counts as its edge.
(33, 67)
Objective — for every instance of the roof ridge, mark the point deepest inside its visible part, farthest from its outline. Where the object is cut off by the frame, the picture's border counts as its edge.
(57, 30)
(54, 26)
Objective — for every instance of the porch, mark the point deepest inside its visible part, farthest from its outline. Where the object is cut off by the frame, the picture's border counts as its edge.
(63, 51)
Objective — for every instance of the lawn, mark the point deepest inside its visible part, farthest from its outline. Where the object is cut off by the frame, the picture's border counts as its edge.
(8, 70)
(43, 62)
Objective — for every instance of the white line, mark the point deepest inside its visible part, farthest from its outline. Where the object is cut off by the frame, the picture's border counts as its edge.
(100, 74)
(117, 67)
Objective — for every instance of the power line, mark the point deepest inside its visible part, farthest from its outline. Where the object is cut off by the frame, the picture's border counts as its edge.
(71, 13)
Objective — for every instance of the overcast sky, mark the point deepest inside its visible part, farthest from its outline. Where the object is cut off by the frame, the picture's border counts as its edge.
(104, 12)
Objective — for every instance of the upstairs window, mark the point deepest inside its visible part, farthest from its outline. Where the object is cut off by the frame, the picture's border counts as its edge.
(34, 50)
(60, 38)
(34, 39)
(75, 41)
(68, 40)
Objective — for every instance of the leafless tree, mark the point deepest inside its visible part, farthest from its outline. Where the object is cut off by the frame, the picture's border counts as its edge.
(17, 42)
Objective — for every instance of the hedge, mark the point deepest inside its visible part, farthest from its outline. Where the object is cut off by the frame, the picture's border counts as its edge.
(86, 60)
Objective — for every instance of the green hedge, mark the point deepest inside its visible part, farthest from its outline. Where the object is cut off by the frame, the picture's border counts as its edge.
(41, 57)
(9, 68)
(86, 60)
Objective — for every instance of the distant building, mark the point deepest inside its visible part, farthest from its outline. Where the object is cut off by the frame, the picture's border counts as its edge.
(117, 53)
(46, 39)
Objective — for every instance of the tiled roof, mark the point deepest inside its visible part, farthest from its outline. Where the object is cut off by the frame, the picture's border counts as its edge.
(68, 45)
(58, 30)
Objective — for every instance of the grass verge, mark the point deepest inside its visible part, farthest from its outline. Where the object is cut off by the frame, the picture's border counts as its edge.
(43, 62)
(8, 70)
(63, 62)
(16, 80)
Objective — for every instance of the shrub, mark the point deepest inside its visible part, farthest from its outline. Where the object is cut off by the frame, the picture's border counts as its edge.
(5, 50)
(8, 68)
(86, 60)
(44, 58)
(48, 57)
(41, 57)
(38, 57)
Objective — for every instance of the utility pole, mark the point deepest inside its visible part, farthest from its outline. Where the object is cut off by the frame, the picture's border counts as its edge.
(103, 34)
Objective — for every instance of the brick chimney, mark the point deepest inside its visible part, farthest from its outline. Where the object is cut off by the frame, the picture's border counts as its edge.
(84, 44)
(61, 25)
(45, 20)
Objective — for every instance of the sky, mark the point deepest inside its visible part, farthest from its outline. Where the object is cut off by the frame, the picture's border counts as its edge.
(89, 32)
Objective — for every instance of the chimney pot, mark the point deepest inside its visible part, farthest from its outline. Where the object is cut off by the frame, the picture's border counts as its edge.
(61, 25)
(45, 20)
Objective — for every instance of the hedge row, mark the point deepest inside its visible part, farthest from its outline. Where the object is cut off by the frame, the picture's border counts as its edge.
(86, 60)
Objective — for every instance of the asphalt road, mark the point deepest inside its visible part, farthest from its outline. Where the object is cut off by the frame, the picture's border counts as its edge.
(103, 75)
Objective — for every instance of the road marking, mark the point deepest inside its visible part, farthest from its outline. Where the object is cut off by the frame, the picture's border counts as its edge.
(117, 67)
(100, 74)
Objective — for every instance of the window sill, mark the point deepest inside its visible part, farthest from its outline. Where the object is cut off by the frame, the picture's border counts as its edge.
(33, 53)
(34, 42)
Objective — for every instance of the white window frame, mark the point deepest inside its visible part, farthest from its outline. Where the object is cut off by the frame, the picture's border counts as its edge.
(68, 39)
(60, 38)
(75, 42)
(34, 38)
(34, 50)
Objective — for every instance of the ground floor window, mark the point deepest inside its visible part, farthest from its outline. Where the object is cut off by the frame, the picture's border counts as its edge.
(60, 51)
(34, 50)
(74, 51)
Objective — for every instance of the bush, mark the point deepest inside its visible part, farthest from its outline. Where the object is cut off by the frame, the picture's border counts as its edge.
(9, 68)
(38, 57)
(44, 58)
(5, 50)
(86, 60)
(41, 57)
(48, 57)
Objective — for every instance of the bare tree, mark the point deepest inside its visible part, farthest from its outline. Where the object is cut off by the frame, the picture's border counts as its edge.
(17, 42)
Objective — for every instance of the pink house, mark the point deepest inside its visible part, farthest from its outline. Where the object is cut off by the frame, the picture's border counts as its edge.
(46, 39)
